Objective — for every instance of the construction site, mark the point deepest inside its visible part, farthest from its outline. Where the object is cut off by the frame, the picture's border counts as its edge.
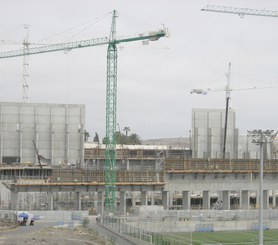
(220, 181)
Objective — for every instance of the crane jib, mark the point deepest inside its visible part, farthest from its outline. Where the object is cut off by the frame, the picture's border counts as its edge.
(152, 36)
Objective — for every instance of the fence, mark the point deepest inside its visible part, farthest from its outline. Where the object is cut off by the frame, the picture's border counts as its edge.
(144, 226)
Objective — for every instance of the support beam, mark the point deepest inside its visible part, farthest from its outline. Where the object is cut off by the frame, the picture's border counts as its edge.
(100, 202)
(78, 197)
(226, 200)
(244, 199)
(14, 200)
(165, 199)
(206, 200)
(265, 199)
(144, 200)
(186, 204)
(273, 198)
(50, 200)
(122, 202)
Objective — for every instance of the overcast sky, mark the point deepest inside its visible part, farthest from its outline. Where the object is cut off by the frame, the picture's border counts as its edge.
(154, 81)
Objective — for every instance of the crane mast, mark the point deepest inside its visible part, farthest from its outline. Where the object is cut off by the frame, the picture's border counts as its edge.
(227, 110)
(111, 121)
(26, 44)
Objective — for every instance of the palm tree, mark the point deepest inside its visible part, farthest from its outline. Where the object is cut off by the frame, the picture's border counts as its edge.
(126, 130)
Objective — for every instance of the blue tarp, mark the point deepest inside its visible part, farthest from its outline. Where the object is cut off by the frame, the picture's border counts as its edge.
(23, 215)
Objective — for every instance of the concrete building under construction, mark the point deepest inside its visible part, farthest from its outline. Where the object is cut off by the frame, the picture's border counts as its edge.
(56, 130)
(208, 134)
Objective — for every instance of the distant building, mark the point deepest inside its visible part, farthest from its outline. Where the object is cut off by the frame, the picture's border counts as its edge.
(56, 129)
(207, 138)
(249, 150)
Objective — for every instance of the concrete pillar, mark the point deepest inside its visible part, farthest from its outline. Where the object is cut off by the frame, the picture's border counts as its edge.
(100, 202)
(78, 197)
(127, 164)
(122, 202)
(50, 200)
(220, 196)
(133, 200)
(186, 202)
(244, 199)
(265, 199)
(14, 200)
(144, 200)
(226, 200)
(274, 198)
(165, 199)
(152, 198)
(95, 199)
(206, 200)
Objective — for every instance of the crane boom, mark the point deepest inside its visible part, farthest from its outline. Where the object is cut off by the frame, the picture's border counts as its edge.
(240, 11)
(83, 44)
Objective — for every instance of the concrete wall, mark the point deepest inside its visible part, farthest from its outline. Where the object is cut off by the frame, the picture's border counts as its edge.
(208, 133)
(57, 130)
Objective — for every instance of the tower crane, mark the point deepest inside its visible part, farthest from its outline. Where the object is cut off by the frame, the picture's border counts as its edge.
(228, 90)
(111, 90)
(240, 11)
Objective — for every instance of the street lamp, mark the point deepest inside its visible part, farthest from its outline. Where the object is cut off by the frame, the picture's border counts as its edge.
(260, 138)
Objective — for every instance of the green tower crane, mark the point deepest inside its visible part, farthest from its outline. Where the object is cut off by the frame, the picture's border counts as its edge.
(111, 113)
(111, 91)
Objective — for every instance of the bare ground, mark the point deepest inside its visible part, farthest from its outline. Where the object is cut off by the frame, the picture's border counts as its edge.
(55, 236)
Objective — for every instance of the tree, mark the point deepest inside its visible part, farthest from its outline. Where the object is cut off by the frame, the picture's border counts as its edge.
(86, 135)
(133, 139)
(96, 138)
(126, 129)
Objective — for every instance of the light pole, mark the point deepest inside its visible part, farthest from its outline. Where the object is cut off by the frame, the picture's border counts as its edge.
(260, 138)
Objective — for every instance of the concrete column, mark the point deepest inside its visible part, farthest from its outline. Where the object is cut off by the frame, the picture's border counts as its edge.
(100, 202)
(133, 200)
(265, 199)
(244, 199)
(220, 196)
(95, 199)
(165, 199)
(78, 197)
(226, 200)
(152, 198)
(127, 164)
(144, 200)
(14, 200)
(186, 202)
(206, 200)
(122, 202)
(273, 198)
(50, 200)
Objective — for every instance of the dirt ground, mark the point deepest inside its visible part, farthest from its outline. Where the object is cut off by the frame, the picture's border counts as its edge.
(55, 236)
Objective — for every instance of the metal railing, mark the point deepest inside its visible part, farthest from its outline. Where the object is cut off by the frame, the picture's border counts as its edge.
(219, 165)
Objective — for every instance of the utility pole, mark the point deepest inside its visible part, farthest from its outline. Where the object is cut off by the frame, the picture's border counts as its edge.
(260, 138)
